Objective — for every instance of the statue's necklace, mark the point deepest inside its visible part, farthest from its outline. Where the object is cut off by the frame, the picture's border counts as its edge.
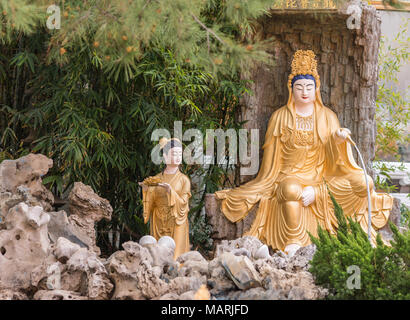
(304, 123)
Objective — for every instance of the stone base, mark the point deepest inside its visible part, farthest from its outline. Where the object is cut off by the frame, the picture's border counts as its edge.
(222, 228)
(395, 217)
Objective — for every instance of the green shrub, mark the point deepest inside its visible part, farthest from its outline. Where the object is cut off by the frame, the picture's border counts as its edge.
(384, 270)
(405, 215)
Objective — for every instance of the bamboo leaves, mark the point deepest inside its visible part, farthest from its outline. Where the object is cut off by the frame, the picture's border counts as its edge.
(93, 108)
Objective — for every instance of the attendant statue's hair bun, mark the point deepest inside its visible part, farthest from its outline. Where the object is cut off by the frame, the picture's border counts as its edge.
(163, 141)
(166, 144)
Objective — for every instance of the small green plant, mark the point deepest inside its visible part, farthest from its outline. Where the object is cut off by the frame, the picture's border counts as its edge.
(383, 269)
(405, 214)
(392, 105)
(383, 180)
(200, 233)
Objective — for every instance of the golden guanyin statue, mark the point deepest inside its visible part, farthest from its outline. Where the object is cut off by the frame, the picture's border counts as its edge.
(304, 150)
(166, 199)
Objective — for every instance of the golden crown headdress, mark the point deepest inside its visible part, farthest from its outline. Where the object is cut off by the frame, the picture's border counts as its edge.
(304, 62)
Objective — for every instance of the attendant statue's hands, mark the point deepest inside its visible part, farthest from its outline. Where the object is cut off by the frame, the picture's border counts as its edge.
(143, 186)
(342, 134)
(166, 186)
(308, 196)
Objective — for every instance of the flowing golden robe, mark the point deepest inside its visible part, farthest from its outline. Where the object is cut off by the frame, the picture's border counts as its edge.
(293, 160)
(168, 212)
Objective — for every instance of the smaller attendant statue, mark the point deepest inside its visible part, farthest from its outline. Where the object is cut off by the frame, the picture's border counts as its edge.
(166, 198)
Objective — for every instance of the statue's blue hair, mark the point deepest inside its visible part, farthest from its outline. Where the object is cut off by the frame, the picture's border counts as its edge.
(303, 76)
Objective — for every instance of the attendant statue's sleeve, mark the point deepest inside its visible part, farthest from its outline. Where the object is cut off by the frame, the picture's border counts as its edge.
(148, 202)
(179, 202)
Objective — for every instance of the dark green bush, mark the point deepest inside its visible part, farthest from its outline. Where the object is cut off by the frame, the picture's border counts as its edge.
(384, 270)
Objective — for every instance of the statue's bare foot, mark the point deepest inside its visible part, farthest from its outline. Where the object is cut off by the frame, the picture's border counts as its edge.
(291, 249)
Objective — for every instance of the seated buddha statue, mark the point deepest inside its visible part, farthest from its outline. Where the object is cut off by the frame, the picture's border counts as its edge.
(166, 199)
(306, 154)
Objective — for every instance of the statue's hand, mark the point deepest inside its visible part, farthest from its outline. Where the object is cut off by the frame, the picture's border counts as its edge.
(342, 134)
(308, 196)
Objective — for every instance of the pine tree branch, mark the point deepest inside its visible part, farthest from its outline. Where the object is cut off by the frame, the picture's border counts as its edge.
(107, 14)
(146, 3)
(207, 42)
(207, 29)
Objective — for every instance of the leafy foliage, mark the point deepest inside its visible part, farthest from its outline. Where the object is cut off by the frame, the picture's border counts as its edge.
(405, 214)
(96, 123)
(383, 180)
(392, 108)
(120, 31)
(384, 272)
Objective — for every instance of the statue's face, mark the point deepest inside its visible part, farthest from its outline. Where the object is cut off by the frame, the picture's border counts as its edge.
(304, 91)
(174, 156)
